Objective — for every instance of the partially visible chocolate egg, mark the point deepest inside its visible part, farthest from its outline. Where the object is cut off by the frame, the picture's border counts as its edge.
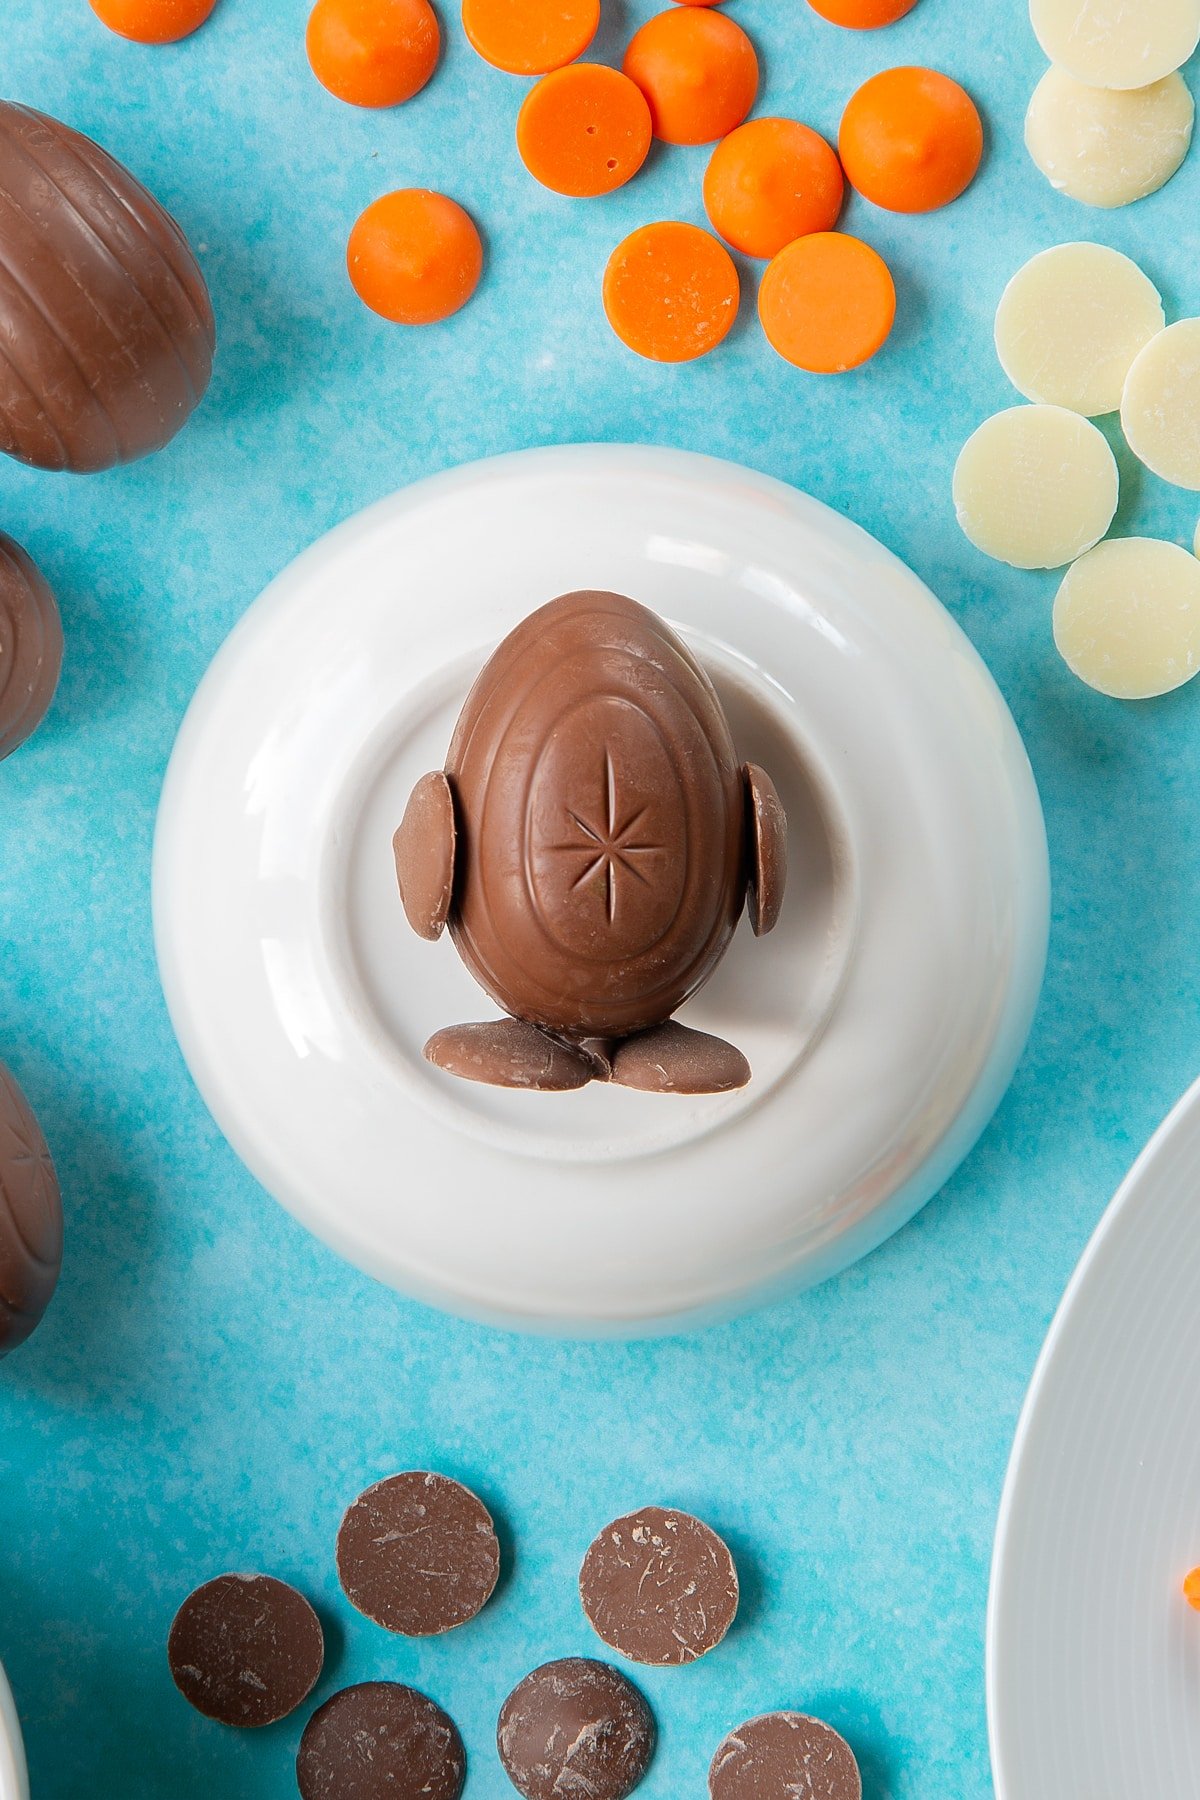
(30, 1218)
(31, 646)
(106, 327)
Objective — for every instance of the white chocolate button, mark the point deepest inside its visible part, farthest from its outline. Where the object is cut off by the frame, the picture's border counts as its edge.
(1108, 148)
(1160, 409)
(1117, 43)
(1036, 486)
(1070, 324)
(1127, 618)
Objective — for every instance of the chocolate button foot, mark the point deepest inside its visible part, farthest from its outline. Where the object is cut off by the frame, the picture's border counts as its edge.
(673, 1059)
(246, 1649)
(508, 1053)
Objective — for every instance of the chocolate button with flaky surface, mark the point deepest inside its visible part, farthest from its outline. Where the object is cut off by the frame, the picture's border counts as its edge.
(575, 1727)
(659, 1586)
(380, 1741)
(782, 1756)
(418, 1554)
(245, 1649)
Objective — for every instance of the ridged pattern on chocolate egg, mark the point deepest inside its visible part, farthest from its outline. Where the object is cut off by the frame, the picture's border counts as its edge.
(106, 327)
(31, 646)
(30, 1218)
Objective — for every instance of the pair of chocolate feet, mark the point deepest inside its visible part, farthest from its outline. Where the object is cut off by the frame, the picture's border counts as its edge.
(666, 1059)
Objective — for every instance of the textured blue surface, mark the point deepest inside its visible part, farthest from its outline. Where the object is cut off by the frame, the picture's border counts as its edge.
(212, 1386)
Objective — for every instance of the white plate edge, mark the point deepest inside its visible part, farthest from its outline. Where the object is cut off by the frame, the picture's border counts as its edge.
(1177, 1119)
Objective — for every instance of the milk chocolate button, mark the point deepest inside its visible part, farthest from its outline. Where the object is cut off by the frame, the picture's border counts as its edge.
(380, 1741)
(575, 1728)
(675, 1059)
(660, 1587)
(246, 1649)
(418, 1554)
(782, 1755)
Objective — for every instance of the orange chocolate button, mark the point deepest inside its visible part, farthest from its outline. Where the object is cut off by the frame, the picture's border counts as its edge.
(671, 291)
(827, 303)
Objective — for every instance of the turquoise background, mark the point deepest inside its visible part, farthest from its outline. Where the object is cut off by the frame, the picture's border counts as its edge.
(212, 1386)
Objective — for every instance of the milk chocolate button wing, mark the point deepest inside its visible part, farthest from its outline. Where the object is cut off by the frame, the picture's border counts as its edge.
(575, 1727)
(246, 1649)
(31, 646)
(30, 1218)
(106, 328)
(380, 1741)
(660, 1587)
(767, 823)
(424, 847)
(781, 1756)
(418, 1554)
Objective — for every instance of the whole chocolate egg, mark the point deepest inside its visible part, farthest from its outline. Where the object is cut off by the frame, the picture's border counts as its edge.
(106, 328)
(31, 646)
(30, 1218)
(591, 842)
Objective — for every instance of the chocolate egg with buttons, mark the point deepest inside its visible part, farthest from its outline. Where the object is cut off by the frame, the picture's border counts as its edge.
(30, 1218)
(106, 327)
(31, 646)
(591, 843)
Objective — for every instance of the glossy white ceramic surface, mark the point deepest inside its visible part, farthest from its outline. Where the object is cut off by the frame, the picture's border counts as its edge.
(14, 1784)
(882, 1018)
(1093, 1653)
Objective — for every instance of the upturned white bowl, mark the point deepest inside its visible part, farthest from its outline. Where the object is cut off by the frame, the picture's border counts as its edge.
(882, 1018)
